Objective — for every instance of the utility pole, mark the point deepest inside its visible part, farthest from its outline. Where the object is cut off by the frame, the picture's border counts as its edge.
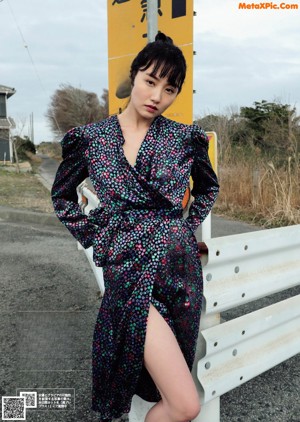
(31, 128)
(152, 25)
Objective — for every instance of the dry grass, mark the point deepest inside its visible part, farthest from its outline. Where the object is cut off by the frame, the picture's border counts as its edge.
(34, 159)
(257, 191)
(23, 190)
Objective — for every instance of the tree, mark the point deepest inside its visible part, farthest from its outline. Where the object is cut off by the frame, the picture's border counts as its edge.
(275, 126)
(21, 146)
(70, 107)
(231, 130)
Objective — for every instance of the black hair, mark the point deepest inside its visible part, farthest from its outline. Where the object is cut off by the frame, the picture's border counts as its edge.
(164, 55)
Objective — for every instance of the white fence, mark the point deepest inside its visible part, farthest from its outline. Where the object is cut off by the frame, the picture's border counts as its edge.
(238, 269)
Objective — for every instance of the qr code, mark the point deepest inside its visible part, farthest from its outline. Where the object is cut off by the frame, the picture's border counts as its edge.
(30, 398)
(13, 408)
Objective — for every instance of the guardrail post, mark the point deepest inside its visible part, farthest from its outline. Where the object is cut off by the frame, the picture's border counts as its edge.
(210, 412)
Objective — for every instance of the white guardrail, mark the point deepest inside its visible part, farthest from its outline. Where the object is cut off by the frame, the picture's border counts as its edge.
(237, 269)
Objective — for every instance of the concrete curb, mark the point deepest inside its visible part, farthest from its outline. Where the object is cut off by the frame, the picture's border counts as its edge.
(15, 215)
(44, 181)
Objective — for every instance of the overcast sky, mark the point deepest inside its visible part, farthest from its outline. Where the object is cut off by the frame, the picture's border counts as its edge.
(242, 55)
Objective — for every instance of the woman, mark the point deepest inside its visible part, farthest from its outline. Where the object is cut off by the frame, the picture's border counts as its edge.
(140, 163)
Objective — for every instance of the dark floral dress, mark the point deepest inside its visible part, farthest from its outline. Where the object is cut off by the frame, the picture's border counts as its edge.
(148, 251)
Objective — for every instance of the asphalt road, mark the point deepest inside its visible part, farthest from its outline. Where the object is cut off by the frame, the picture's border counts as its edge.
(49, 303)
(47, 170)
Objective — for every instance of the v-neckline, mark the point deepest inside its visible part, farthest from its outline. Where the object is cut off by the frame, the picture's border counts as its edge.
(141, 146)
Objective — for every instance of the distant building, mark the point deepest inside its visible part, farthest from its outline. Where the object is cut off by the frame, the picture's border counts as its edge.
(6, 150)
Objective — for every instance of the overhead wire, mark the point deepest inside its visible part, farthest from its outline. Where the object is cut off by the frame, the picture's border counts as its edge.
(25, 45)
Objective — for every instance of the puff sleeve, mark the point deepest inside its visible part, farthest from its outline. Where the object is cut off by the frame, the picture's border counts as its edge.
(205, 182)
(71, 172)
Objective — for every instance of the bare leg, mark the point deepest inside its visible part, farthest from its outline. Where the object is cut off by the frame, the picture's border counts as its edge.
(168, 369)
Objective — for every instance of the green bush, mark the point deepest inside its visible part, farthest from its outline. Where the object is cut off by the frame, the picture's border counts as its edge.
(22, 146)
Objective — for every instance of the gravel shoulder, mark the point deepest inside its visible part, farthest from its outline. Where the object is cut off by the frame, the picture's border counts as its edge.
(24, 191)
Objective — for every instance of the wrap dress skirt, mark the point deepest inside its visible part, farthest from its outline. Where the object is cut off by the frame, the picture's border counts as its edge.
(148, 251)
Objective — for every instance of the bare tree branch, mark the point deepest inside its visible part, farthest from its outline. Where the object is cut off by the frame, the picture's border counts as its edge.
(70, 107)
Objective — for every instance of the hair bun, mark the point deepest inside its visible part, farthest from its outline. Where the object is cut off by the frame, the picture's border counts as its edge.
(160, 36)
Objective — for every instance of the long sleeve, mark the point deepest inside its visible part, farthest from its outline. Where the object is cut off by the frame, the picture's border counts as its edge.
(205, 182)
(71, 172)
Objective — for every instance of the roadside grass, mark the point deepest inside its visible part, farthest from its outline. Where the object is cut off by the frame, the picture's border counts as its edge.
(259, 192)
(23, 190)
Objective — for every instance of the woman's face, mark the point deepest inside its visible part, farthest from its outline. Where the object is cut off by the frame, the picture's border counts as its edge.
(151, 95)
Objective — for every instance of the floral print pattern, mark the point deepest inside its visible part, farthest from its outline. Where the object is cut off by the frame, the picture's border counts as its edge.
(148, 251)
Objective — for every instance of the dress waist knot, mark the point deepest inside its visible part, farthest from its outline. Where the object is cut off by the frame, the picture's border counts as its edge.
(107, 221)
(102, 216)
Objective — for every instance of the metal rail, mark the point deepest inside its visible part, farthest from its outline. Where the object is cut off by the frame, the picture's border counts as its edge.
(237, 269)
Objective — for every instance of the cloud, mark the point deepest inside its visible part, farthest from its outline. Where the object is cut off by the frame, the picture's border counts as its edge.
(226, 19)
(67, 42)
(242, 55)
(242, 58)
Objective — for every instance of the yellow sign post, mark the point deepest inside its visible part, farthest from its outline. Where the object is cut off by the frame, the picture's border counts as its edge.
(176, 20)
(127, 34)
(213, 150)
